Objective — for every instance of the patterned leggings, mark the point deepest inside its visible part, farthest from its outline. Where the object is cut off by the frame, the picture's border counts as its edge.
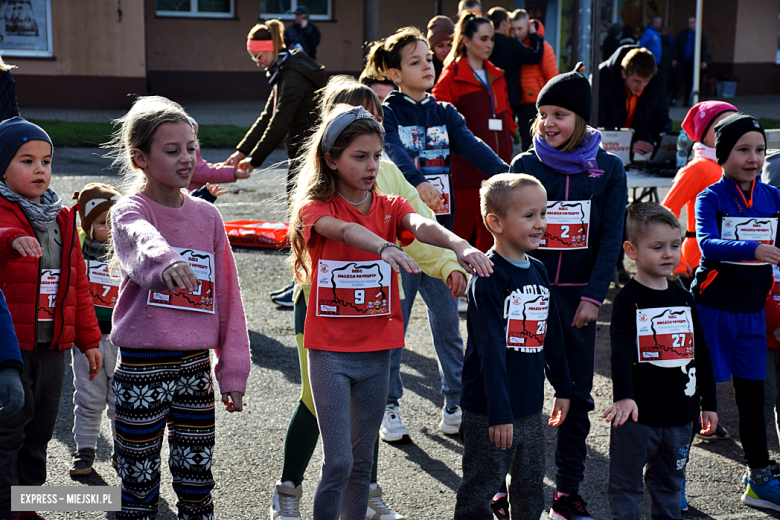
(154, 388)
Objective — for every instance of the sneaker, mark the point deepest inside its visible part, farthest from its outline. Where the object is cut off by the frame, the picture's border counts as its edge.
(282, 290)
(286, 502)
(284, 298)
(82, 462)
(393, 429)
(450, 421)
(500, 507)
(762, 493)
(463, 304)
(378, 510)
(683, 499)
(720, 434)
(570, 507)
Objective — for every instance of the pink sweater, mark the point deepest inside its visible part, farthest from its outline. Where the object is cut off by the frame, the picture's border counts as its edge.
(207, 172)
(144, 233)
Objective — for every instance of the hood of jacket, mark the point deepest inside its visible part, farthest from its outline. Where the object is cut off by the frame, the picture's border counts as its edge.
(298, 61)
(403, 102)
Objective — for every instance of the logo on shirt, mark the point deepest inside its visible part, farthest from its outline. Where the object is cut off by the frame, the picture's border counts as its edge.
(324, 268)
(388, 218)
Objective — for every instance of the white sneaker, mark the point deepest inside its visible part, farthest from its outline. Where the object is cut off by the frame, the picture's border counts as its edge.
(463, 304)
(286, 502)
(393, 429)
(378, 510)
(450, 422)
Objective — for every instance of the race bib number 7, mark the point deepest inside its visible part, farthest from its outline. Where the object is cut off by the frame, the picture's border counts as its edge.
(567, 225)
(103, 287)
(665, 335)
(761, 230)
(353, 289)
(202, 298)
(526, 316)
(47, 297)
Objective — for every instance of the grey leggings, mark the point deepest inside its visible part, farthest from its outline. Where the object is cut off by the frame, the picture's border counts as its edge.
(350, 392)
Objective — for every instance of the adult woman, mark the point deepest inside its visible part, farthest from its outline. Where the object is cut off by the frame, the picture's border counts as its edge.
(477, 88)
(440, 32)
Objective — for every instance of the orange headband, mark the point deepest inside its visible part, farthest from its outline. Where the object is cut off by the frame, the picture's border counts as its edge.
(260, 45)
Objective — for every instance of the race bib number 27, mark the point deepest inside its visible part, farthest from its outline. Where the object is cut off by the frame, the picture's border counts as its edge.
(526, 316)
(665, 335)
(353, 289)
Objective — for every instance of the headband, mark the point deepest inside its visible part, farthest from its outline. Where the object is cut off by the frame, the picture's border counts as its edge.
(339, 123)
(260, 45)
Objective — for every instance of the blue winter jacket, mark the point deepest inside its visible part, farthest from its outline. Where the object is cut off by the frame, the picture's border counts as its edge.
(10, 356)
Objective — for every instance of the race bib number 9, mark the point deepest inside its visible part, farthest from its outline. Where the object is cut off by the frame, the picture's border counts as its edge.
(526, 316)
(761, 230)
(567, 225)
(202, 298)
(442, 185)
(353, 289)
(103, 288)
(665, 335)
(47, 297)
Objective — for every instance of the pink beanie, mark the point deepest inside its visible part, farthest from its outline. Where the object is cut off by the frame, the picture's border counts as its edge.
(701, 115)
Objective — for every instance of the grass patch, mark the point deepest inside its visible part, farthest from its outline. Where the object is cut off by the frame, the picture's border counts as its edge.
(87, 135)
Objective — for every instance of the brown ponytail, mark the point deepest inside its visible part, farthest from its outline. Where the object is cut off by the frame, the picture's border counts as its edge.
(386, 54)
(272, 30)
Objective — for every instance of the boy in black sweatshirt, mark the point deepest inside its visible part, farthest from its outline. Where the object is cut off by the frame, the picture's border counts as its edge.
(661, 372)
(514, 338)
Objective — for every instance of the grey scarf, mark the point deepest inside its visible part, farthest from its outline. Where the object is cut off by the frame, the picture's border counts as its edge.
(41, 214)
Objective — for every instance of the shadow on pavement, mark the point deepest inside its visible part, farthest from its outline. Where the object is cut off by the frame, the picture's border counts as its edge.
(437, 469)
(426, 381)
(269, 353)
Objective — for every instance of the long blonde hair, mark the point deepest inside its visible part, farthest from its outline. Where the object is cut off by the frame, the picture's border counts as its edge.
(271, 30)
(317, 182)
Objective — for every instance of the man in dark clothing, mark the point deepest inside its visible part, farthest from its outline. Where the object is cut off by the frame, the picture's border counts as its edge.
(509, 53)
(633, 95)
(682, 63)
(303, 33)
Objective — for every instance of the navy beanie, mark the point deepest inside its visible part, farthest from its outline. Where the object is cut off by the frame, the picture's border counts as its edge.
(14, 133)
(570, 91)
(729, 130)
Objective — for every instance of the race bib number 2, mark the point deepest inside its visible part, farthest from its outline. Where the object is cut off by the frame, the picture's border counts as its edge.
(665, 335)
(47, 297)
(567, 225)
(526, 316)
(202, 298)
(353, 289)
(761, 230)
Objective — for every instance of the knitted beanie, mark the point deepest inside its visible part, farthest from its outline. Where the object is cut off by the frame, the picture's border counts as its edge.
(571, 91)
(440, 29)
(701, 115)
(15, 133)
(729, 130)
(93, 200)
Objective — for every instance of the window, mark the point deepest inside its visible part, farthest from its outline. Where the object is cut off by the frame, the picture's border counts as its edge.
(318, 9)
(25, 28)
(198, 8)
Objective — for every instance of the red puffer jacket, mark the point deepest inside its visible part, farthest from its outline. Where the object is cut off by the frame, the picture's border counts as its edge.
(74, 317)
(534, 77)
(457, 85)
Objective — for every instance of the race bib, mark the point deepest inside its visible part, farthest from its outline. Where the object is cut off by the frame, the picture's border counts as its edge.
(200, 300)
(753, 229)
(526, 316)
(442, 185)
(353, 289)
(103, 288)
(665, 336)
(567, 225)
(47, 297)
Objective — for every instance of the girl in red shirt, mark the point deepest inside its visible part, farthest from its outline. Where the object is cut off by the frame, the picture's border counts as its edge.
(343, 235)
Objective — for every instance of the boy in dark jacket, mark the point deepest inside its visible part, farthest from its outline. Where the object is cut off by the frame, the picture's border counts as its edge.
(11, 391)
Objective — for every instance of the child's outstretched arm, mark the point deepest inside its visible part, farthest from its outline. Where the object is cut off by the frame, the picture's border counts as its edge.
(365, 240)
(425, 230)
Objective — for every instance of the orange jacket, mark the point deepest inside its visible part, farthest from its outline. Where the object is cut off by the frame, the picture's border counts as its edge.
(689, 182)
(534, 77)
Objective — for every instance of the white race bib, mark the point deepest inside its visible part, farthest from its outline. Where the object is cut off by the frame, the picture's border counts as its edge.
(526, 316)
(353, 289)
(442, 185)
(567, 225)
(665, 336)
(103, 287)
(47, 296)
(200, 300)
(753, 229)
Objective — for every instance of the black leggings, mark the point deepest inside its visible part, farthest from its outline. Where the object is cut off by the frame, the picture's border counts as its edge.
(749, 394)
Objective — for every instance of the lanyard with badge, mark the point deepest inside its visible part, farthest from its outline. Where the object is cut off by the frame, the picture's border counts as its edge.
(494, 123)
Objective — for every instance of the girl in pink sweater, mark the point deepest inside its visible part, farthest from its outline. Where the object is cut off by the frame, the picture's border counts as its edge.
(179, 297)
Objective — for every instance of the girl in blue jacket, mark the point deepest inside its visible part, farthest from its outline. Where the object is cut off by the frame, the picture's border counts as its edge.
(586, 192)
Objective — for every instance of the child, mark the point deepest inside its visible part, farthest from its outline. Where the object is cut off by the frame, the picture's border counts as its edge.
(772, 314)
(420, 134)
(336, 214)
(514, 337)
(179, 297)
(43, 278)
(656, 336)
(586, 190)
(736, 226)
(206, 172)
(11, 391)
(91, 397)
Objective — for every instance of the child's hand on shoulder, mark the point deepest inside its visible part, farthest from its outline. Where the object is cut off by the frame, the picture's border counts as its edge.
(234, 401)
(473, 260)
(27, 246)
(768, 254)
(397, 258)
(95, 362)
(709, 422)
(456, 281)
(620, 411)
(501, 434)
(559, 412)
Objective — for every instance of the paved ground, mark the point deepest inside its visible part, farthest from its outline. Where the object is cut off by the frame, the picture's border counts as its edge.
(419, 479)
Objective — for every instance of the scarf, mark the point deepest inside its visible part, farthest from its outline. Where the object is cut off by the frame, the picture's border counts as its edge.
(41, 214)
(705, 152)
(569, 163)
(273, 70)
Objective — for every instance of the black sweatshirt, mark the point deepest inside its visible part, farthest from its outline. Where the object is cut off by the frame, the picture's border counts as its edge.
(505, 363)
(665, 395)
